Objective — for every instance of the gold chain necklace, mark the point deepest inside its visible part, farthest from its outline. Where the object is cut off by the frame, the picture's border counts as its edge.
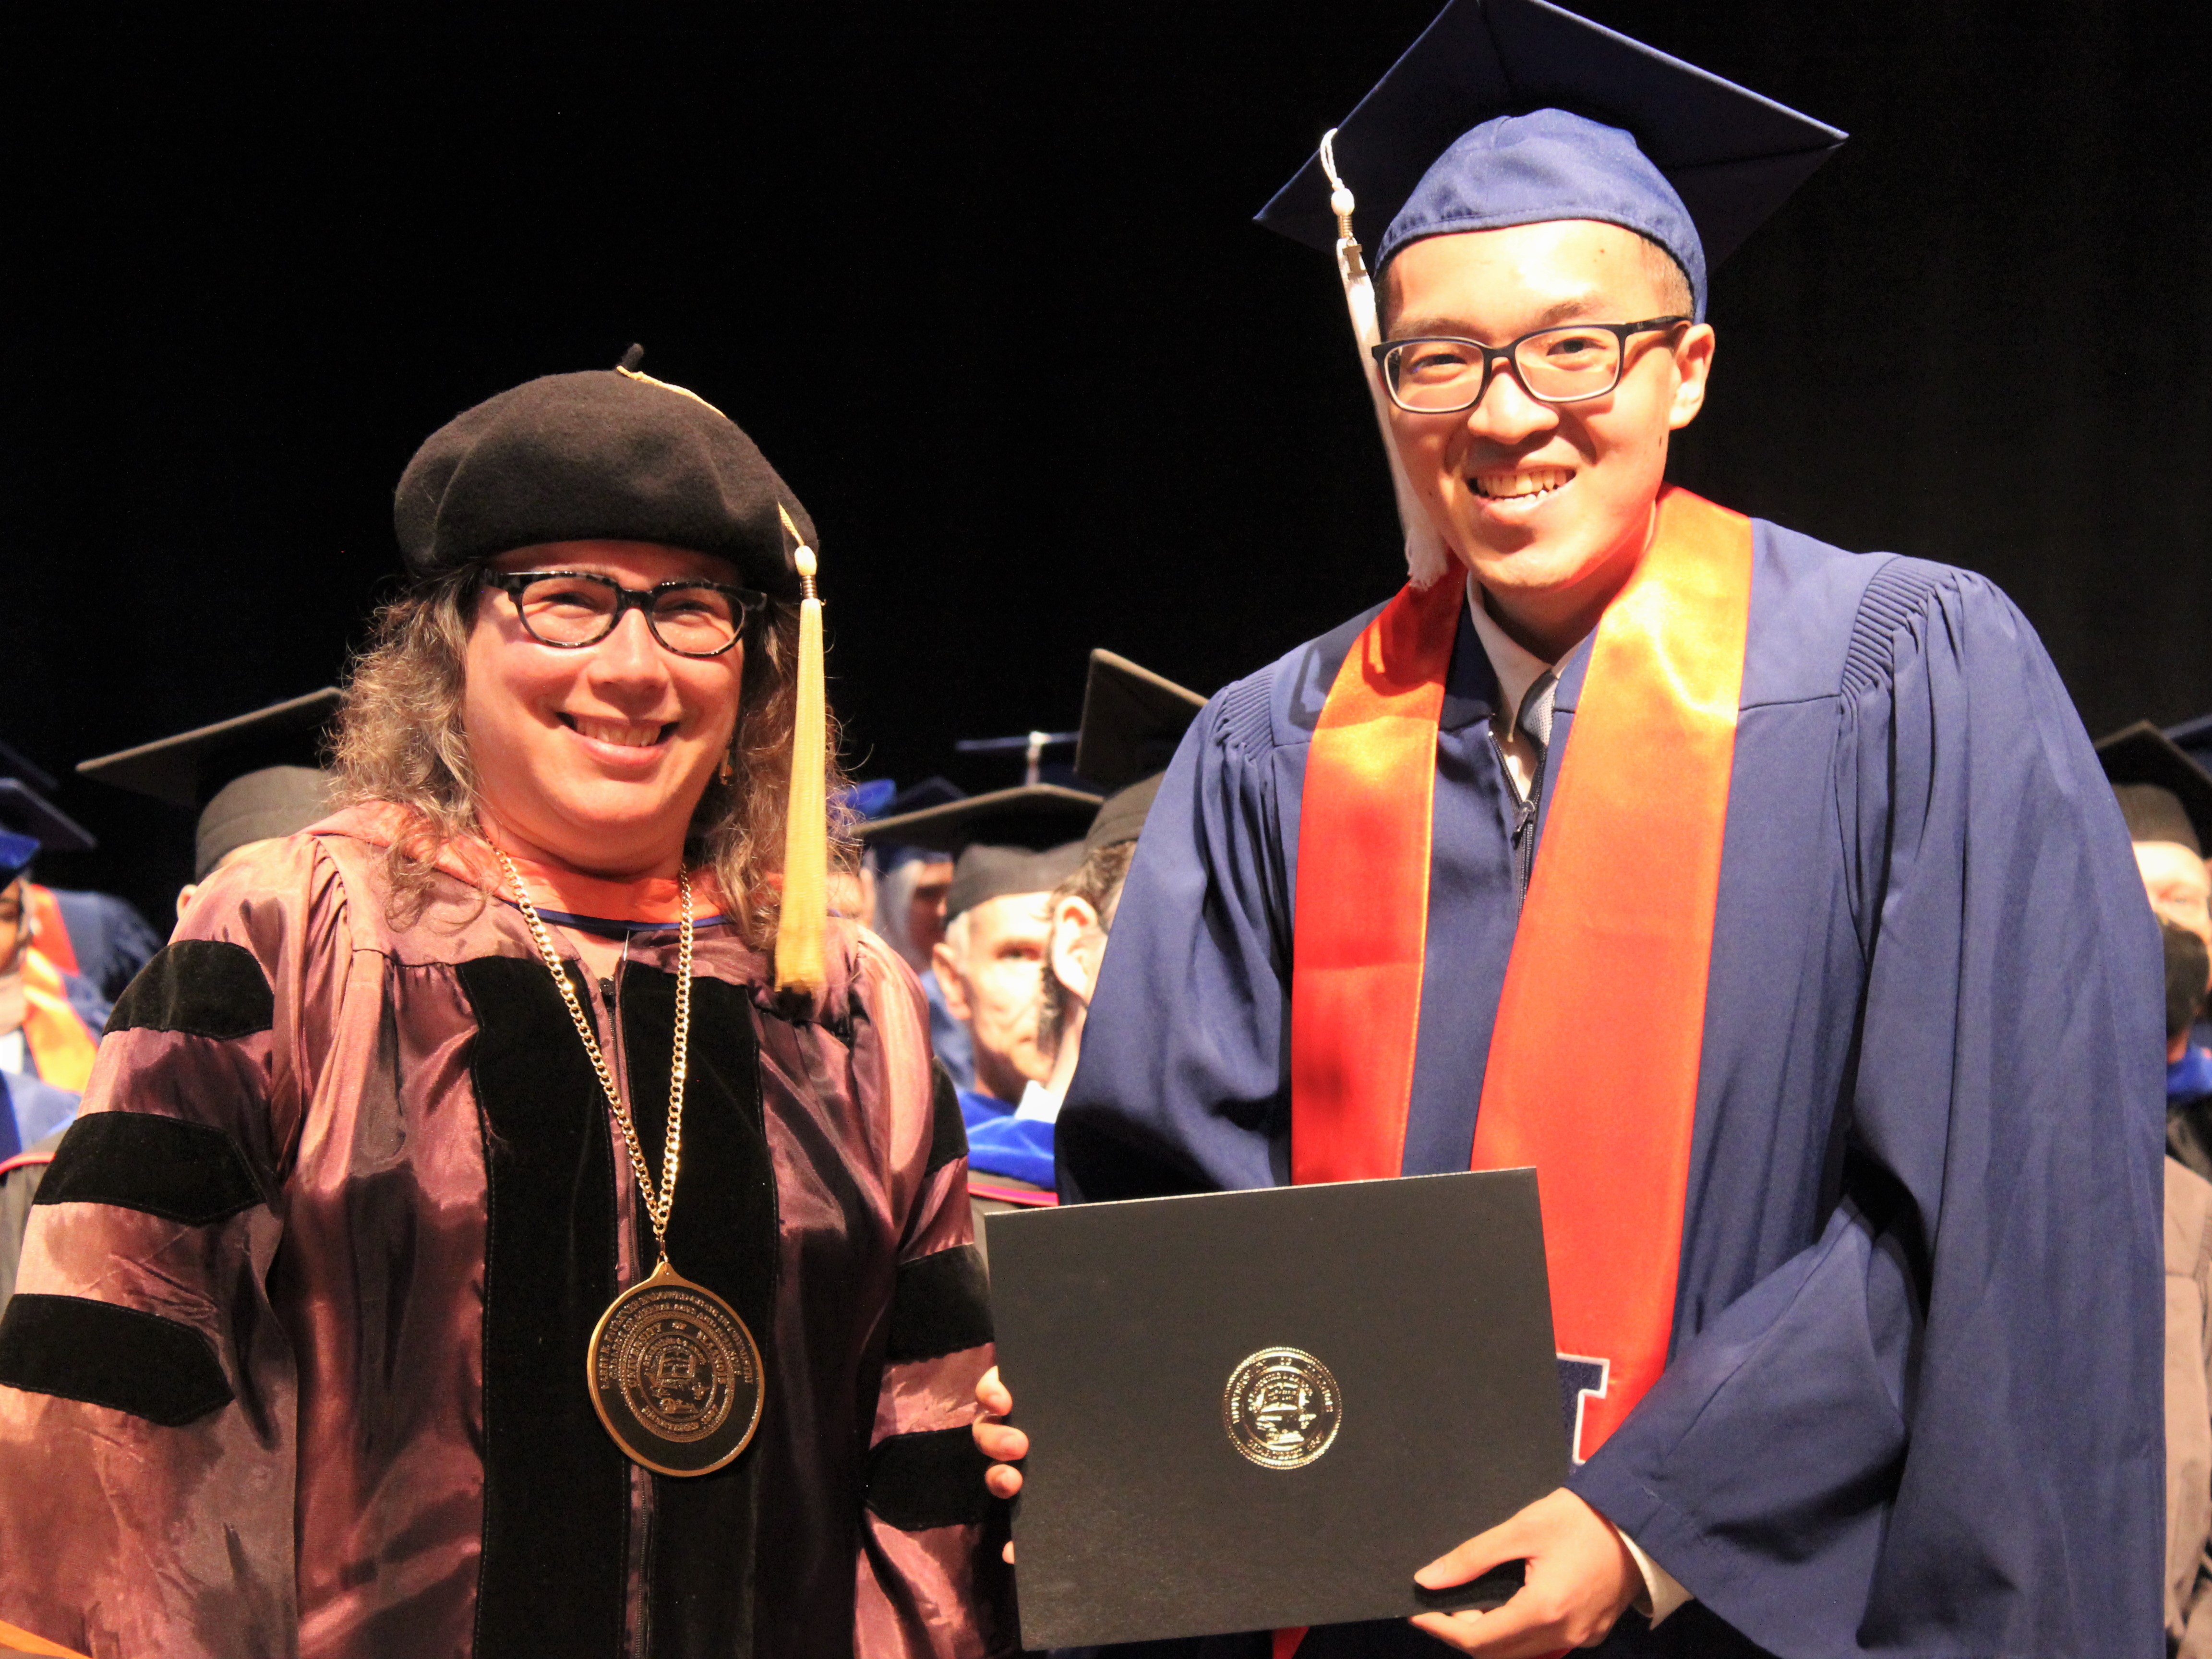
(675, 1376)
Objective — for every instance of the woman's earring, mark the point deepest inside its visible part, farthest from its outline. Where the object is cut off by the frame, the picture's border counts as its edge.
(728, 771)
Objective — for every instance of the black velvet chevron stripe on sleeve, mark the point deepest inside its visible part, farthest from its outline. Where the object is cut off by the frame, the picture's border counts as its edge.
(203, 986)
(941, 1304)
(933, 1479)
(140, 1363)
(948, 1130)
(186, 1172)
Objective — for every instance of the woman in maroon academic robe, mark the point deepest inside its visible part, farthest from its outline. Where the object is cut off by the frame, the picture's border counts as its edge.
(298, 1361)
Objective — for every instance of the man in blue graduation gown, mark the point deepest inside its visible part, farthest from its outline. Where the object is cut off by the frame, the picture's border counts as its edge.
(1911, 1396)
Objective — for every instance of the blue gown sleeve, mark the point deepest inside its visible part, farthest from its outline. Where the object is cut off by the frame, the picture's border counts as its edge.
(1183, 1082)
(1939, 1429)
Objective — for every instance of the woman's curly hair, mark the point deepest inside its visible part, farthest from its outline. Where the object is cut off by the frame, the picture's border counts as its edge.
(401, 739)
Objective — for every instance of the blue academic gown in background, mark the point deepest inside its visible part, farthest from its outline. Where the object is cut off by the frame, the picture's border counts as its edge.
(1915, 1393)
(111, 940)
(949, 1039)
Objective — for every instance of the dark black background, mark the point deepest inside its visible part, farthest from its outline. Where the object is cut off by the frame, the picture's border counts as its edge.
(981, 281)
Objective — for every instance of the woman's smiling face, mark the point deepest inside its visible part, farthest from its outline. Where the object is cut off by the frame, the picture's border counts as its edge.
(595, 757)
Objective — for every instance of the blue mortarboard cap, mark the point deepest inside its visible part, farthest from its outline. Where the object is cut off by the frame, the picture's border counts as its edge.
(870, 799)
(1514, 112)
(16, 853)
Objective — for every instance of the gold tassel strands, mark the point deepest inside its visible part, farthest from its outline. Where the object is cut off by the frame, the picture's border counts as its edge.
(798, 938)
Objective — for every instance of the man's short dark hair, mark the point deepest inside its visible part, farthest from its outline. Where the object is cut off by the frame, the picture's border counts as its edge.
(2187, 966)
(1097, 882)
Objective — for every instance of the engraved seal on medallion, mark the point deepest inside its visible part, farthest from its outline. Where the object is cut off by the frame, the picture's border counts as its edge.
(677, 1370)
(1282, 1409)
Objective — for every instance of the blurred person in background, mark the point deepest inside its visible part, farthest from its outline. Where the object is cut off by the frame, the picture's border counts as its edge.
(1132, 719)
(97, 936)
(2166, 799)
(2187, 1323)
(910, 885)
(244, 814)
(1007, 850)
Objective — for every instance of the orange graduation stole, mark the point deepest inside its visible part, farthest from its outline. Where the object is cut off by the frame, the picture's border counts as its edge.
(62, 1047)
(1619, 914)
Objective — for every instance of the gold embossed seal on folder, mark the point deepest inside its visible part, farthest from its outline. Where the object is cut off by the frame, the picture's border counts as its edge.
(1282, 1409)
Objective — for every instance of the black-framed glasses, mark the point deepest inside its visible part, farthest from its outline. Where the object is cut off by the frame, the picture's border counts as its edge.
(570, 609)
(1440, 375)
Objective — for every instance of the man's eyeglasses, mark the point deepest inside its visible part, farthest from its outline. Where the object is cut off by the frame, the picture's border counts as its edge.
(570, 609)
(1440, 375)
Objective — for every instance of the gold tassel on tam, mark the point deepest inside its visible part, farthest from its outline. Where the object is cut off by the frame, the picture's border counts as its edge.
(799, 935)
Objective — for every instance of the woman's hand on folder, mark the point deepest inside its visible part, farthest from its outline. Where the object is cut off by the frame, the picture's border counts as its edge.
(1581, 1578)
(1004, 1445)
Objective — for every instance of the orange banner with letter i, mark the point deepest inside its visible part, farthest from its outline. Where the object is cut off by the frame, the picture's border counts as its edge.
(1619, 913)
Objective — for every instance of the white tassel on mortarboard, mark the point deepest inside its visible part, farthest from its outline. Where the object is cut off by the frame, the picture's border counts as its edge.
(803, 919)
(1427, 559)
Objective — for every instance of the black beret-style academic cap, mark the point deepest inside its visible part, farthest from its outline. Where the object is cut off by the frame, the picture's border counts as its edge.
(1517, 111)
(2164, 795)
(252, 777)
(1132, 719)
(603, 455)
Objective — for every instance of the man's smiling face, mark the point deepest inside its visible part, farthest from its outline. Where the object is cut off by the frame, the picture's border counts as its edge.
(1548, 504)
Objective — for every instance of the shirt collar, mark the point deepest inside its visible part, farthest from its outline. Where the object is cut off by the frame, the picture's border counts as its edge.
(1038, 1103)
(1517, 668)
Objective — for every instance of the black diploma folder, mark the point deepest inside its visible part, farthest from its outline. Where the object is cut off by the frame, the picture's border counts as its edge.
(1254, 1410)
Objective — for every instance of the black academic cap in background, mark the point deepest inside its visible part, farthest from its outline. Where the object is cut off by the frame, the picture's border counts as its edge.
(27, 812)
(1024, 840)
(14, 763)
(984, 873)
(1123, 817)
(2194, 739)
(1132, 719)
(252, 777)
(267, 804)
(2163, 793)
(1726, 156)
(187, 770)
(1033, 815)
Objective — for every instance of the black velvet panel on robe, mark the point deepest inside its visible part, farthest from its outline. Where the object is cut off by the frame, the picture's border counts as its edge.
(722, 1233)
(191, 1173)
(208, 987)
(80, 1349)
(557, 1489)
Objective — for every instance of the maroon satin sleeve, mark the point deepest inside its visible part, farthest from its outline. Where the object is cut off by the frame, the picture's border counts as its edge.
(940, 1591)
(124, 1536)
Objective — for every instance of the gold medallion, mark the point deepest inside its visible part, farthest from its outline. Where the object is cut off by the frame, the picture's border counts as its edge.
(1282, 1409)
(675, 1376)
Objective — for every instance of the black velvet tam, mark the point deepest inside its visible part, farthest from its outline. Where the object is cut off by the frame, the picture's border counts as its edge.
(607, 455)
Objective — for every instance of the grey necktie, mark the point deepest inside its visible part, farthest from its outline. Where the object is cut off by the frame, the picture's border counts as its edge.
(1535, 717)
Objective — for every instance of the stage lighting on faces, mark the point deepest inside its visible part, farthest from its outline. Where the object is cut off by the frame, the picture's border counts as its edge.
(253, 777)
